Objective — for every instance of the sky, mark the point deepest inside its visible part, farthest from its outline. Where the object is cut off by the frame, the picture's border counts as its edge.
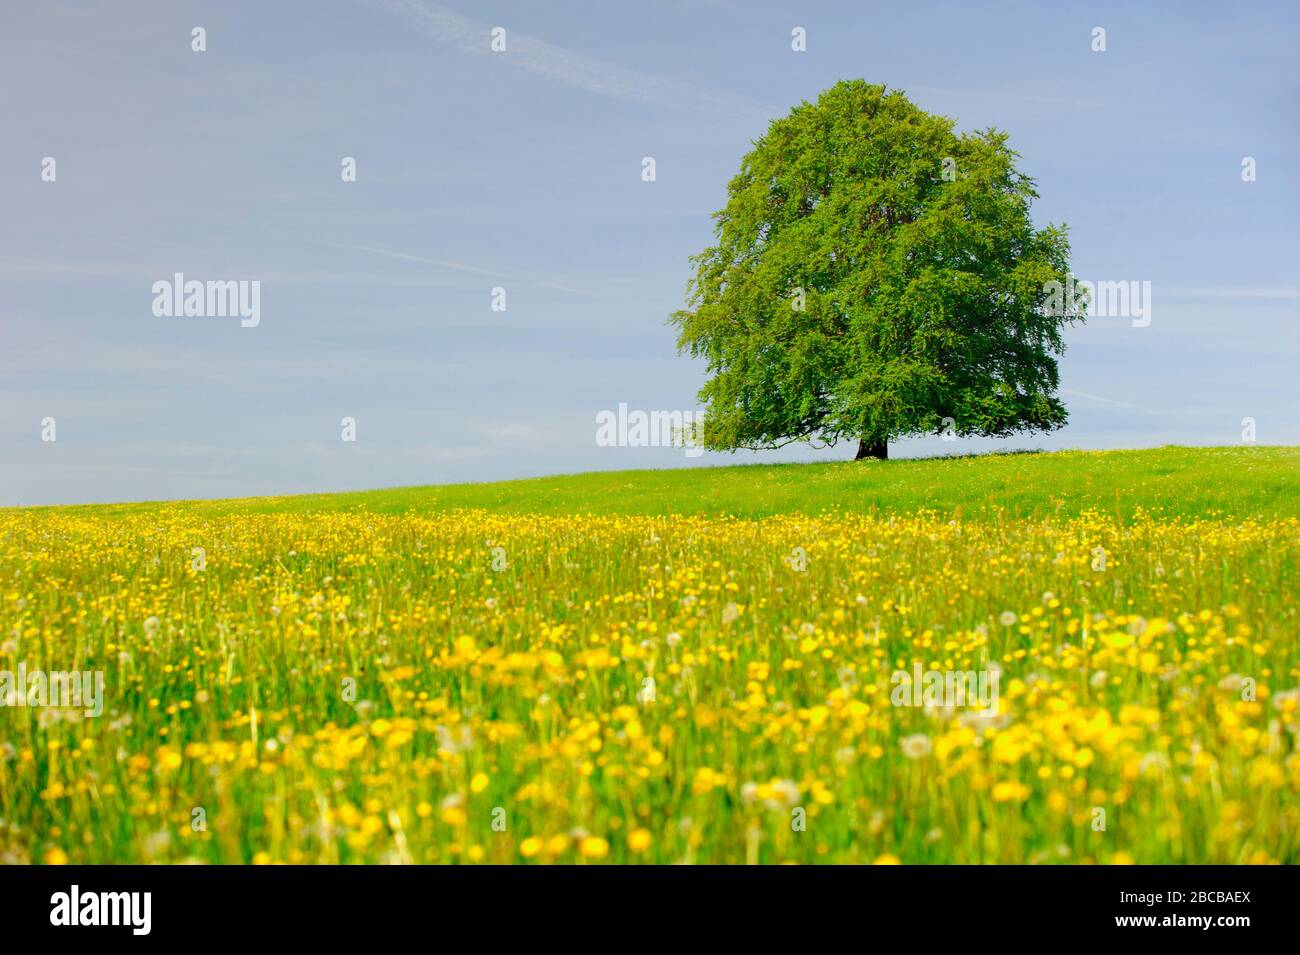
(522, 170)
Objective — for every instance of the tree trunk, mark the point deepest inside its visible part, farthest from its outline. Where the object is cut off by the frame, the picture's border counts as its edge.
(879, 450)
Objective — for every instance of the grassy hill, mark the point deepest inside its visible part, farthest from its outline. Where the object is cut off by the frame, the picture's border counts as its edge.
(1171, 481)
(631, 675)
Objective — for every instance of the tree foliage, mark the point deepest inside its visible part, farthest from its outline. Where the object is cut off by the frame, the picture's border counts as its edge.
(873, 274)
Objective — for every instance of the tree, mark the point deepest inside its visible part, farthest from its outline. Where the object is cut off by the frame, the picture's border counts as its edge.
(876, 275)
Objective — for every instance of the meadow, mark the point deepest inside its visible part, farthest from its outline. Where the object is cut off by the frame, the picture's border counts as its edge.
(690, 666)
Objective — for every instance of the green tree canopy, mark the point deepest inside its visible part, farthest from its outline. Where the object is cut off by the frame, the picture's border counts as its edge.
(875, 275)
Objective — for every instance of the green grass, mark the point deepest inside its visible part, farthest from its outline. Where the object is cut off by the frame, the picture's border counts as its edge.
(374, 677)
(1171, 481)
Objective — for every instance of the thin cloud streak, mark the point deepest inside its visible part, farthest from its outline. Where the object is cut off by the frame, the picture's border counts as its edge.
(461, 267)
(565, 66)
(407, 257)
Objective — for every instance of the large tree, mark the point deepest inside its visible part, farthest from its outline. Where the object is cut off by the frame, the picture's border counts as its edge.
(876, 275)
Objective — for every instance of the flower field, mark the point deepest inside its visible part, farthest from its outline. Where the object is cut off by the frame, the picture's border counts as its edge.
(344, 686)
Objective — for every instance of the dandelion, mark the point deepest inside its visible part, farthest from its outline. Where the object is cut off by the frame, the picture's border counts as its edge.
(916, 746)
(1009, 791)
(557, 844)
(1287, 701)
(785, 794)
(392, 699)
(454, 816)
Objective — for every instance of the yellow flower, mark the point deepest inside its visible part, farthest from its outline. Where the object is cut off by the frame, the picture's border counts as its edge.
(524, 687)
(1010, 792)
(454, 816)
(638, 840)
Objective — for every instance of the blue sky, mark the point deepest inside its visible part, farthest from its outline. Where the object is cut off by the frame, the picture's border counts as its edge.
(522, 170)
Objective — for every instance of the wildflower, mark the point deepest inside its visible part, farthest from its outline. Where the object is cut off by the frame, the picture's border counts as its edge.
(1008, 791)
(638, 840)
(915, 746)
